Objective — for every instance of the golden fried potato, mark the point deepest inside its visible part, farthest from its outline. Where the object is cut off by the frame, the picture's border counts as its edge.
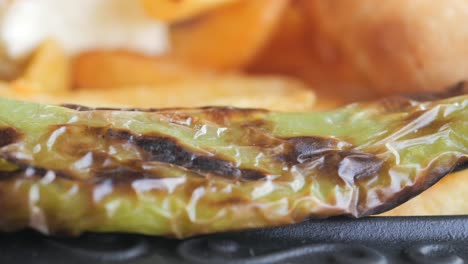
(447, 197)
(385, 47)
(173, 11)
(363, 49)
(221, 90)
(229, 37)
(254, 92)
(113, 69)
(48, 71)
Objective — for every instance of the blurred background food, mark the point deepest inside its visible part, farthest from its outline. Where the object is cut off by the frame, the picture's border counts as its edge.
(47, 79)
(227, 38)
(395, 46)
(343, 50)
(174, 11)
(288, 55)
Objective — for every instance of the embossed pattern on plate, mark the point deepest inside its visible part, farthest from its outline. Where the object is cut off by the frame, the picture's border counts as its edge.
(376, 240)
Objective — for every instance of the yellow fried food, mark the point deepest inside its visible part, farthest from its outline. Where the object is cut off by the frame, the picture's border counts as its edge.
(223, 90)
(113, 69)
(447, 197)
(48, 71)
(173, 11)
(369, 49)
(139, 81)
(229, 37)
(386, 47)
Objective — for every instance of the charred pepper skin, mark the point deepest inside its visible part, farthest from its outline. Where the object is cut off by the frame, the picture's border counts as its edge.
(184, 172)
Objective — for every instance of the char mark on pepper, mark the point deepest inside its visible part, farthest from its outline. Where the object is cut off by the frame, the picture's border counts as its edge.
(168, 150)
(8, 135)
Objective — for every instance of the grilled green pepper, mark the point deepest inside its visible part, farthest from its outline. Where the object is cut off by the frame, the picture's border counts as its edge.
(182, 172)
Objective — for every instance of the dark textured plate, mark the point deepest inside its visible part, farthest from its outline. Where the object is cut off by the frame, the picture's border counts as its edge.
(441, 240)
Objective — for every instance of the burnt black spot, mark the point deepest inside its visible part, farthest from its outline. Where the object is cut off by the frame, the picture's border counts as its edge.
(169, 150)
(8, 136)
(307, 148)
(252, 175)
(120, 175)
(355, 166)
(165, 150)
(7, 175)
(334, 159)
(461, 165)
(216, 166)
(347, 166)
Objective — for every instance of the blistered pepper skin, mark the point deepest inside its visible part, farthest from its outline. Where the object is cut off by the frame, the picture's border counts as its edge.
(184, 172)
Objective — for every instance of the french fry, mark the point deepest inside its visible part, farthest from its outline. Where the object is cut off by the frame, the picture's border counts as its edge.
(47, 72)
(173, 11)
(223, 90)
(229, 37)
(113, 69)
(231, 90)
